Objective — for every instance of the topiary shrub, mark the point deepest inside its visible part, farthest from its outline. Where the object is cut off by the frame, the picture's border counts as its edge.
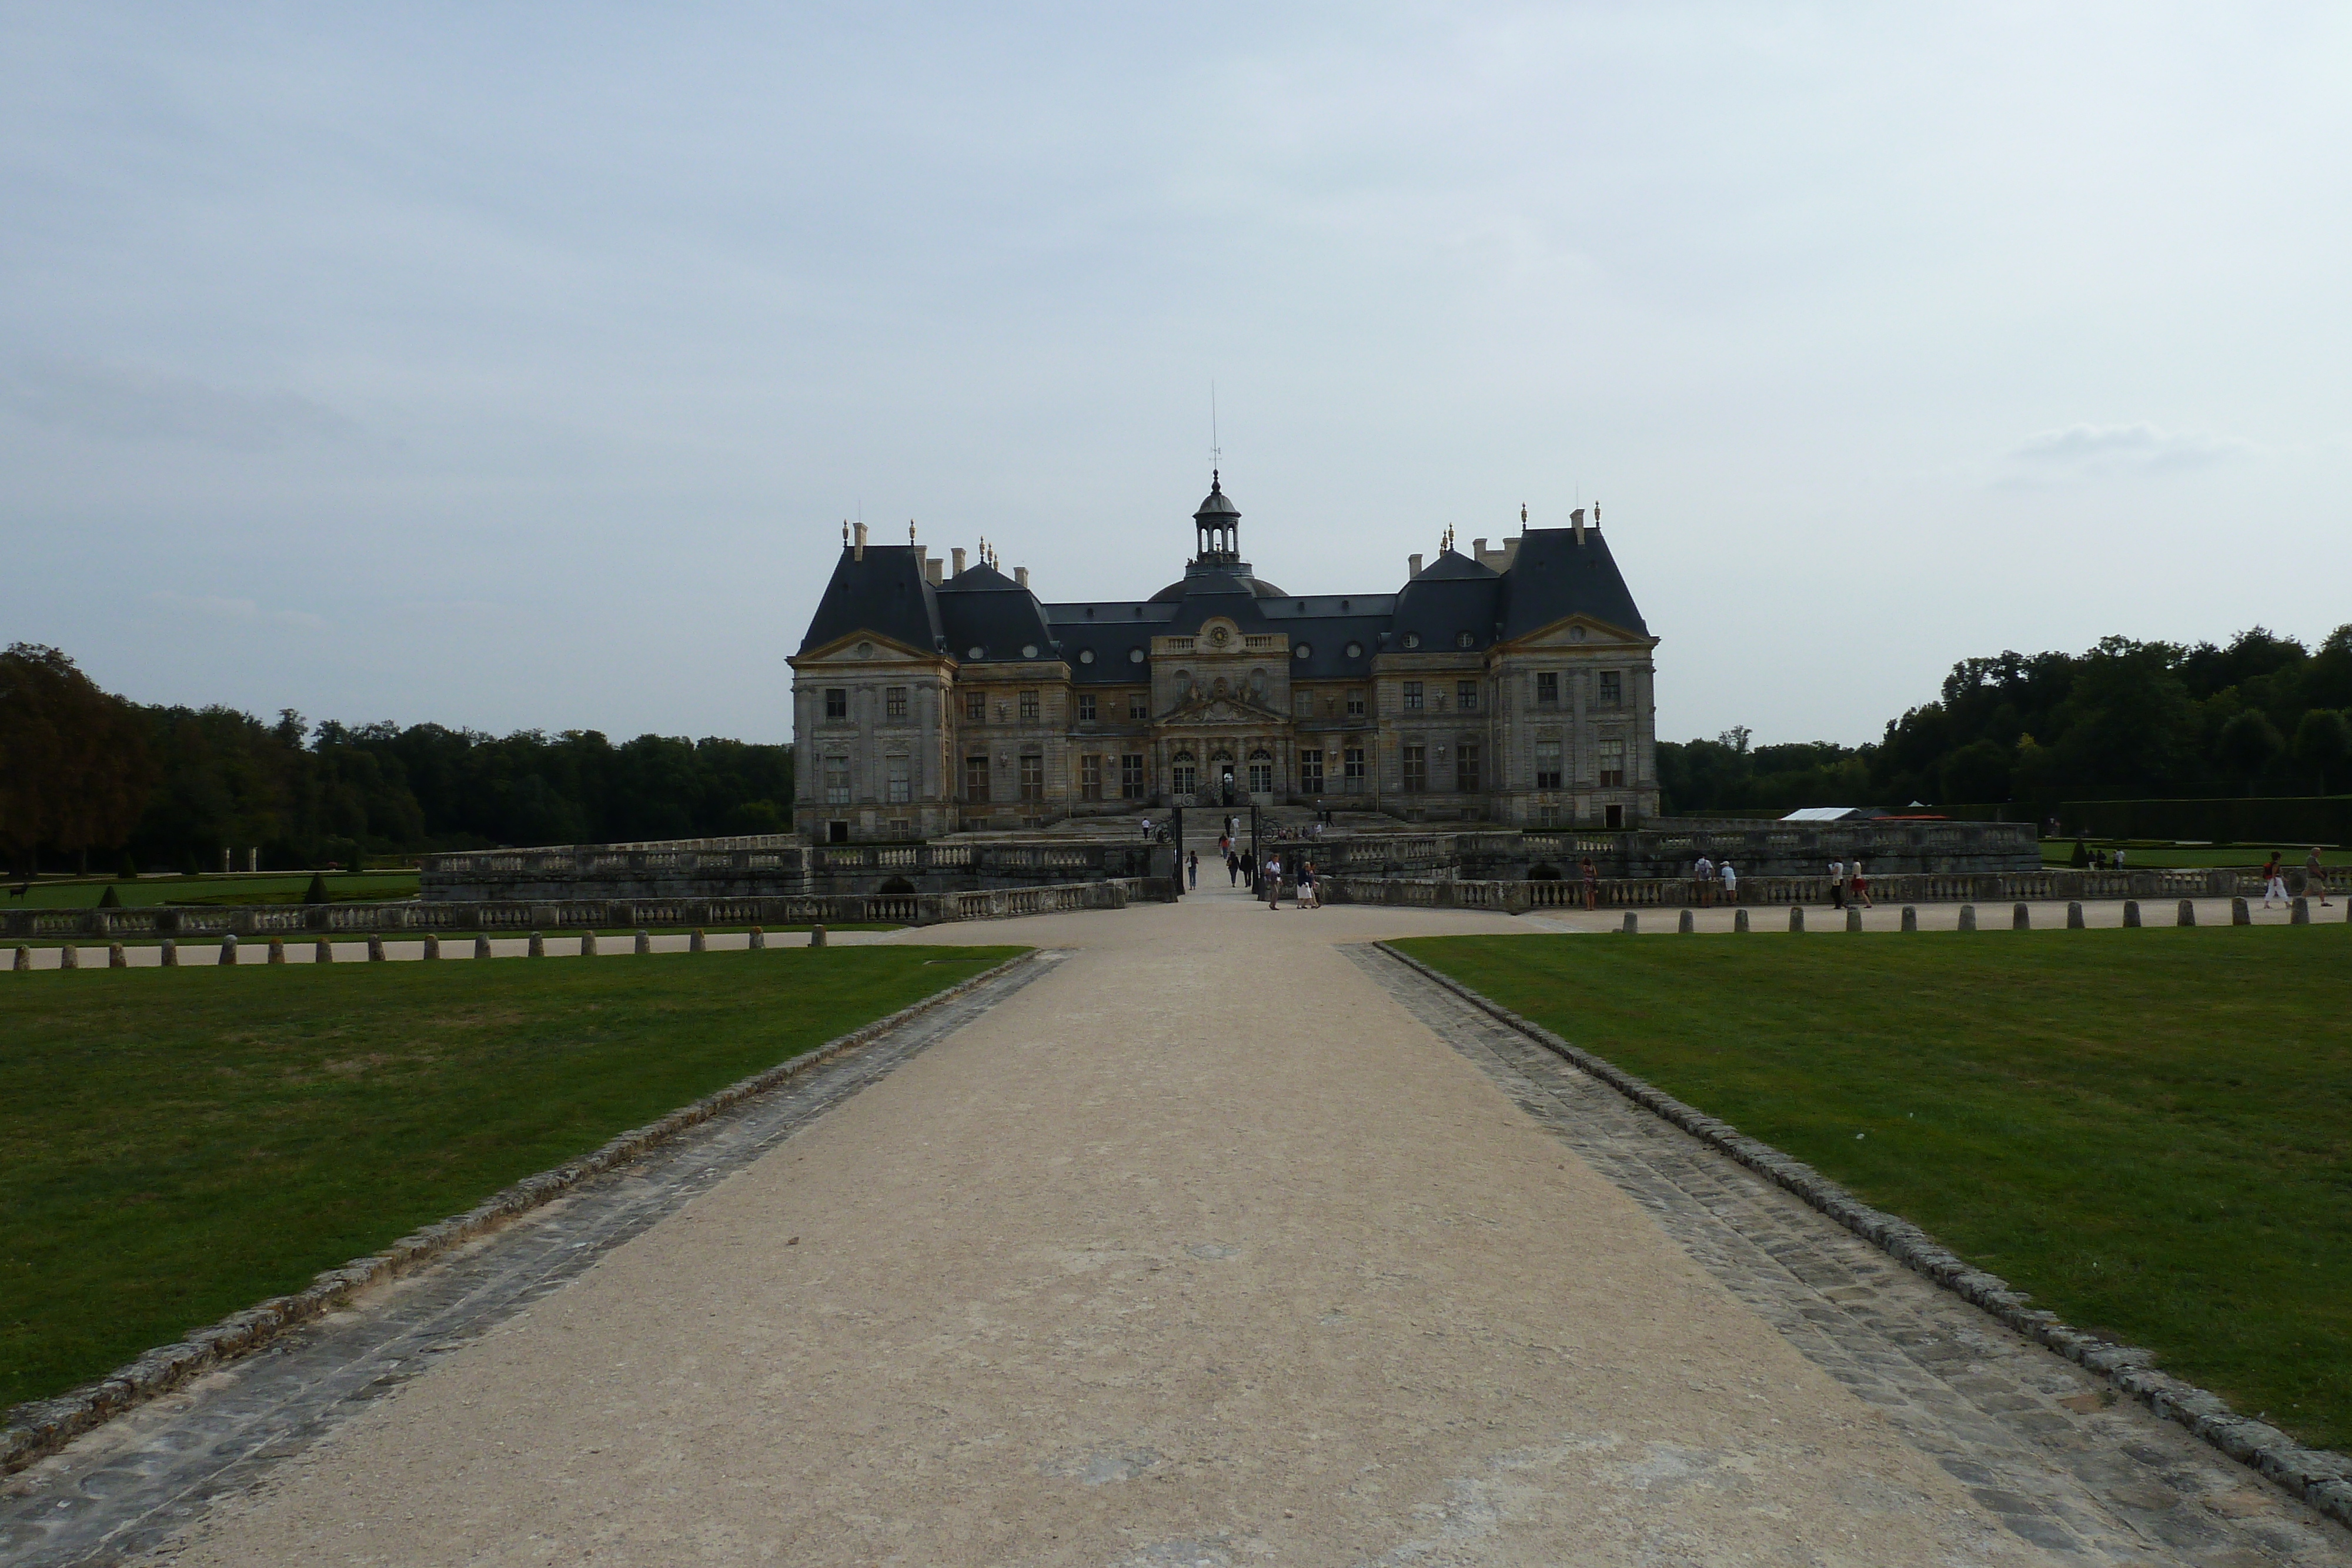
(317, 892)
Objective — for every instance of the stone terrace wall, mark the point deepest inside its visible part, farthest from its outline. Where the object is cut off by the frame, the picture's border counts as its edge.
(1667, 848)
(773, 867)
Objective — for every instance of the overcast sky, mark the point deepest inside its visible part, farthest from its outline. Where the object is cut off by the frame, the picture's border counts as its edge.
(516, 366)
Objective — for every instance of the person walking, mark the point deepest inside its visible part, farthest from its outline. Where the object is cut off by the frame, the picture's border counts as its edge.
(2315, 877)
(1270, 882)
(1591, 874)
(1309, 895)
(1837, 884)
(1702, 880)
(1861, 887)
(2274, 881)
(1192, 868)
(1233, 868)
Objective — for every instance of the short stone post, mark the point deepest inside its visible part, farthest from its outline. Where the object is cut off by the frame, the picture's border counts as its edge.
(2074, 916)
(1740, 920)
(1796, 917)
(1910, 917)
(431, 945)
(816, 935)
(2240, 914)
(2131, 913)
(1968, 917)
(695, 944)
(1853, 917)
(169, 952)
(228, 948)
(1632, 924)
(323, 953)
(1686, 926)
(2299, 911)
(538, 945)
(69, 957)
(644, 943)
(2021, 919)
(587, 944)
(277, 949)
(24, 959)
(482, 946)
(116, 959)
(2188, 913)
(375, 949)
(759, 939)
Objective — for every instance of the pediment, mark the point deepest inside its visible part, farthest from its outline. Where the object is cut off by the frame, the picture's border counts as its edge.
(1209, 712)
(860, 647)
(1577, 631)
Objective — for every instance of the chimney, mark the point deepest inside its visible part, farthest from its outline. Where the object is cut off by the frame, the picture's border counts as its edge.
(1021, 576)
(1576, 520)
(1413, 563)
(931, 565)
(1478, 551)
(958, 553)
(860, 550)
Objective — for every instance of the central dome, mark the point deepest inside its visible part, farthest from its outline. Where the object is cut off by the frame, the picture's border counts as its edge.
(1217, 580)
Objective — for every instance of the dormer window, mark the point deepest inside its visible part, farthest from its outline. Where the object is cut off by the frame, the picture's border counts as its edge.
(1413, 639)
(1463, 639)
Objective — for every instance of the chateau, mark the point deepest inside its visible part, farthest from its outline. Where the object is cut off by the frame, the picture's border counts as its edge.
(1510, 686)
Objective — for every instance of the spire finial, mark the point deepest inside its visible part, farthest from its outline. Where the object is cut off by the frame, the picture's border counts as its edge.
(845, 533)
(1523, 514)
(910, 530)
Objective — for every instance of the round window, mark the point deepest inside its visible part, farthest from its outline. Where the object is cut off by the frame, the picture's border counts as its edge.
(1413, 639)
(1576, 634)
(1086, 655)
(1304, 650)
(1029, 649)
(1461, 639)
(976, 652)
(1135, 656)
(865, 650)
(1355, 649)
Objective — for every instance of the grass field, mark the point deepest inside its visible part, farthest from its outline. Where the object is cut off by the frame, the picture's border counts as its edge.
(268, 887)
(2149, 1130)
(179, 1144)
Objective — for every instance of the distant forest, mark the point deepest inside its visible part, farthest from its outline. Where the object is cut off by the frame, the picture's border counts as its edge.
(2265, 715)
(90, 777)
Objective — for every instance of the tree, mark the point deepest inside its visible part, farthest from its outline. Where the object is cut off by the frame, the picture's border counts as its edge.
(2251, 743)
(2322, 740)
(73, 760)
(1978, 771)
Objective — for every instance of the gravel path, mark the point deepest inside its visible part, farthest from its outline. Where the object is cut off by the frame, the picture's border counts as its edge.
(1223, 1241)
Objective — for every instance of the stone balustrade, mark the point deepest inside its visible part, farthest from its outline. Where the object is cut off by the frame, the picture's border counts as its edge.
(1518, 896)
(768, 867)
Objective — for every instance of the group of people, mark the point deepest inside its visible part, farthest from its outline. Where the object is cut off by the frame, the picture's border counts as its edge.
(1705, 874)
(1264, 879)
(1846, 880)
(2314, 879)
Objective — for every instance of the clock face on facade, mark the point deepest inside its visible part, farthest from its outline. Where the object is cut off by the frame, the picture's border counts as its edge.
(1218, 635)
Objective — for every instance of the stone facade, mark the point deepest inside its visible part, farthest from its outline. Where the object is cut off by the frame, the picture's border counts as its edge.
(1511, 686)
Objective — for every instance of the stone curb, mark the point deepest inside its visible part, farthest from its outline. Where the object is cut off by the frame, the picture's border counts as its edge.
(39, 1427)
(2320, 1477)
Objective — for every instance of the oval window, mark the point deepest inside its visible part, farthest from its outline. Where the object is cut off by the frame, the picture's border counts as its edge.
(1304, 650)
(976, 652)
(1029, 649)
(1355, 649)
(1135, 656)
(1413, 639)
(1086, 655)
(1461, 639)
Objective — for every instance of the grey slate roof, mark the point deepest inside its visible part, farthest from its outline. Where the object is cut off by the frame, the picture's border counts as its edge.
(1553, 578)
(885, 595)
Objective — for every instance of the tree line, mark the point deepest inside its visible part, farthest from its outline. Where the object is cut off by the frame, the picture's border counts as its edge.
(91, 778)
(2263, 716)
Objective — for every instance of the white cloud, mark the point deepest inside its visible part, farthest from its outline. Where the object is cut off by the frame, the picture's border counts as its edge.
(2103, 451)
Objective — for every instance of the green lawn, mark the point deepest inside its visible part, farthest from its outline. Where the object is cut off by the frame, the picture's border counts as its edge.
(265, 887)
(2149, 1130)
(179, 1144)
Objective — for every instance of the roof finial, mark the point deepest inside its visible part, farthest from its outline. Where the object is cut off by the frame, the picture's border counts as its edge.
(1523, 514)
(910, 530)
(845, 533)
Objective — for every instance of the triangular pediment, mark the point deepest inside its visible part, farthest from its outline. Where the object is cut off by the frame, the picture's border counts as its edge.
(1208, 712)
(1576, 632)
(846, 650)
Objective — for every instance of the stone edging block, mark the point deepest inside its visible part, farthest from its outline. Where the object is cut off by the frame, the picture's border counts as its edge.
(2320, 1477)
(41, 1426)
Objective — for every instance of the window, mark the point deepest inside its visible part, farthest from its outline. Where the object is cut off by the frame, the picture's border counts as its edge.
(975, 780)
(1413, 696)
(1028, 707)
(1302, 702)
(1352, 769)
(975, 707)
(894, 702)
(900, 828)
(1183, 775)
(1465, 695)
(1355, 702)
(836, 701)
(1546, 764)
(1464, 639)
(1465, 766)
(1613, 688)
(897, 780)
(1261, 766)
(1612, 765)
(1547, 688)
(1091, 777)
(1032, 776)
(1087, 710)
(1310, 773)
(1130, 774)
(1137, 705)
(836, 780)
(1416, 769)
